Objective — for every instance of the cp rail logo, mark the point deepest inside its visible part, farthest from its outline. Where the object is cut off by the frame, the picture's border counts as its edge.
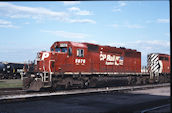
(44, 56)
(111, 59)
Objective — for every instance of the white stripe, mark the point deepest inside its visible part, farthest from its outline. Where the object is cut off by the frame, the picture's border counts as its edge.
(154, 65)
(152, 55)
(153, 59)
(161, 66)
(156, 68)
(155, 62)
(156, 71)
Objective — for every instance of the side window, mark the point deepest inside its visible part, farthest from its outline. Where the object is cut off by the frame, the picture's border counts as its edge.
(163, 58)
(80, 52)
(70, 51)
(160, 58)
(166, 58)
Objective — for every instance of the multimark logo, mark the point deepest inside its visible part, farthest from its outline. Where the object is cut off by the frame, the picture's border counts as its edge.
(111, 59)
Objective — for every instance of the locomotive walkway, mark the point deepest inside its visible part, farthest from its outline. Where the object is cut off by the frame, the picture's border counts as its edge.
(79, 91)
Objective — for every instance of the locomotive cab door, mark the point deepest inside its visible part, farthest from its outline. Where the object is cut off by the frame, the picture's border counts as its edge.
(81, 60)
(52, 66)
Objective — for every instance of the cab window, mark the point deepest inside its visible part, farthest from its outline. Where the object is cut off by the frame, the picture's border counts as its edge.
(61, 49)
(57, 50)
(64, 49)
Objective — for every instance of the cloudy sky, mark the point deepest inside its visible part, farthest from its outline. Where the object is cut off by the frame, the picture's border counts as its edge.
(29, 27)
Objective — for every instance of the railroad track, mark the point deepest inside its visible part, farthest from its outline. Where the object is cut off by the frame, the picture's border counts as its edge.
(155, 109)
(78, 91)
(12, 91)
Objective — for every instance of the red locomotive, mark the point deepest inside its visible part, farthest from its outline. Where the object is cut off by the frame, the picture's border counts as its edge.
(84, 64)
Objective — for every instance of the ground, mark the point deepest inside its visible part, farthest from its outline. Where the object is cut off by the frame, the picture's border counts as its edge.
(92, 102)
(12, 83)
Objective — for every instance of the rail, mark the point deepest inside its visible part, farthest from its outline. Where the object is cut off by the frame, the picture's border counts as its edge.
(155, 108)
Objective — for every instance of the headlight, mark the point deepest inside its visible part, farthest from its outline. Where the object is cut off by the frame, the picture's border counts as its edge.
(32, 75)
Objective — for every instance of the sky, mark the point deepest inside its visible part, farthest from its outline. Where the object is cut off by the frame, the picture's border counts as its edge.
(29, 27)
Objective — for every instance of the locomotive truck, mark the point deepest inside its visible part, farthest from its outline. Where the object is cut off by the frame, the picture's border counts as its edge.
(72, 64)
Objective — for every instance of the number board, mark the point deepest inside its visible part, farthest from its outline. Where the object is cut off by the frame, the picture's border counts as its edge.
(63, 45)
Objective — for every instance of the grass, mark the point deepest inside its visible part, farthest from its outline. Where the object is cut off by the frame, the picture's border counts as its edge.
(13, 83)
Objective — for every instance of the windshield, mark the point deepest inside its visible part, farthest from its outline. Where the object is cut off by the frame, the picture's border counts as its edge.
(61, 49)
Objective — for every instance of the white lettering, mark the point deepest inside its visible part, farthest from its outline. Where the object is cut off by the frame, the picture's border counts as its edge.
(78, 61)
(102, 57)
(117, 60)
(45, 55)
(111, 59)
(109, 63)
(108, 58)
(83, 61)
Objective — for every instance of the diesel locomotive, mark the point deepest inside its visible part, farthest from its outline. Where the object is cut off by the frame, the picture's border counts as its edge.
(72, 64)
